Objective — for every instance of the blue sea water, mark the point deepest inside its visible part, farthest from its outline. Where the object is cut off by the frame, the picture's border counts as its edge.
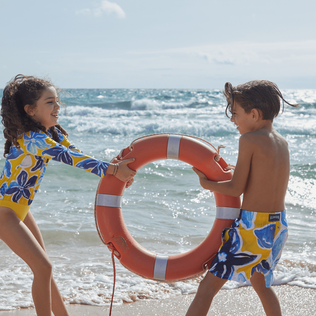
(165, 199)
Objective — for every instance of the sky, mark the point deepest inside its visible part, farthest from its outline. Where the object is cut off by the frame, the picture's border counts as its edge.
(183, 44)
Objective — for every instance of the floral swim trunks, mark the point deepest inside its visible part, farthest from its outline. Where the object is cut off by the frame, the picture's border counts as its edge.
(254, 242)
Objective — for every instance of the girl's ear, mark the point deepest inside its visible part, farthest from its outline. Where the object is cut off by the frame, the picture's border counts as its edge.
(29, 109)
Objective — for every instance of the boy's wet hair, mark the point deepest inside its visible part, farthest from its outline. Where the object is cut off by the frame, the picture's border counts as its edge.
(262, 95)
(20, 91)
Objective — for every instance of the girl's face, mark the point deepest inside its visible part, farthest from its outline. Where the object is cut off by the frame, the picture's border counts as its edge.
(47, 108)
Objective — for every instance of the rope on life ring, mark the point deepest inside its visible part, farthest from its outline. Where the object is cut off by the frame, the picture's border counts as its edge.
(113, 231)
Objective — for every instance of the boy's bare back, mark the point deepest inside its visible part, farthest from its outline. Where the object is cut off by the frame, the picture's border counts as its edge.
(269, 170)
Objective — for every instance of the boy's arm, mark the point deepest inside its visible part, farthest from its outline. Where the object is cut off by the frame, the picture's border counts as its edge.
(236, 186)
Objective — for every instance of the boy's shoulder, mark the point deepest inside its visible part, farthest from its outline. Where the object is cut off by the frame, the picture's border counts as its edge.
(262, 133)
(263, 139)
(253, 136)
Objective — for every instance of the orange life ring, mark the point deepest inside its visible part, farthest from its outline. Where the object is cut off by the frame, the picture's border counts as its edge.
(111, 226)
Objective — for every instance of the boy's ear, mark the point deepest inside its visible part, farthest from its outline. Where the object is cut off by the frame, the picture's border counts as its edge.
(29, 109)
(256, 114)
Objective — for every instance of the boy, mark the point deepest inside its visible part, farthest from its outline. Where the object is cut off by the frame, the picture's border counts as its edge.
(252, 246)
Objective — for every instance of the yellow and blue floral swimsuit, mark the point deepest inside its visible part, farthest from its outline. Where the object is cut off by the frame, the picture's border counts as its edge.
(254, 242)
(25, 167)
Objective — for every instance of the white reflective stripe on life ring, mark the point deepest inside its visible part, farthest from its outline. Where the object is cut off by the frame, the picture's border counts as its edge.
(223, 212)
(160, 267)
(173, 146)
(109, 200)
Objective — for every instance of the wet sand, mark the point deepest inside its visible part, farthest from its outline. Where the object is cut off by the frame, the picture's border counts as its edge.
(295, 301)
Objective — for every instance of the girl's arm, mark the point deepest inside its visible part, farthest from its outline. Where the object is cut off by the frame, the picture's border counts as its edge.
(119, 168)
(236, 186)
(63, 140)
(42, 145)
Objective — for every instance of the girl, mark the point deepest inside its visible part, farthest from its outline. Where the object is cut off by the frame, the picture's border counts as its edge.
(29, 111)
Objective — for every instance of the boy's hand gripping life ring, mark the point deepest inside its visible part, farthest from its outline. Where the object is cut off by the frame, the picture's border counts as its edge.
(111, 226)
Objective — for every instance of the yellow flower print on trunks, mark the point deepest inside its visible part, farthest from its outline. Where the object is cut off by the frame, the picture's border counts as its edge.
(253, 243)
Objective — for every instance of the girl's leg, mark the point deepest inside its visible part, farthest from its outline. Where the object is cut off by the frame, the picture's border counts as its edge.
(267, 296)
(58, 306)
(20, 239)
(208, 288)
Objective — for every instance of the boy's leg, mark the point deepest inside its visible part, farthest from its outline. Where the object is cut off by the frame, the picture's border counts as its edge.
(19, 238)
(58, 306)
(208, 288)
(267, 296)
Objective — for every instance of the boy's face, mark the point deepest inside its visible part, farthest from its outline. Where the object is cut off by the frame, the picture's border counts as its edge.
(243, 120)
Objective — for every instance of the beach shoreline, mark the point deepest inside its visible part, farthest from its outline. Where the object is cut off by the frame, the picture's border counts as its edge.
(295, 301)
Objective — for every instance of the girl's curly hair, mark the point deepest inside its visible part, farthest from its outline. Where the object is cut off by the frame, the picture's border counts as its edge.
(262, 95)
(20, 91)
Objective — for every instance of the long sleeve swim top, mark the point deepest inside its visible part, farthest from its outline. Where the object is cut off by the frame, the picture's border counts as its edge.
(25, 167)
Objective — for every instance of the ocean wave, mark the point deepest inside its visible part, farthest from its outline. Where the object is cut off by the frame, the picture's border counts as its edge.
(91, 282)
(306, 98)
(92, 120)
(142, 99)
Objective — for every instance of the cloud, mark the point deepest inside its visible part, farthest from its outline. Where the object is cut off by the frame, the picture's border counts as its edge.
(217, 58)
(253, 53)
(111, 7)
(104, 7)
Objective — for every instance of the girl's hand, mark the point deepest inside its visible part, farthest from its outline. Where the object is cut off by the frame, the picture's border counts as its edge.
(121, 171)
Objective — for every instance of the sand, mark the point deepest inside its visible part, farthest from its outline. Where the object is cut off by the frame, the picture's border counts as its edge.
(295, 301)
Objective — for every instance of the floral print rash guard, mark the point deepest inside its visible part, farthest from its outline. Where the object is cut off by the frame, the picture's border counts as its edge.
(25, 167)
